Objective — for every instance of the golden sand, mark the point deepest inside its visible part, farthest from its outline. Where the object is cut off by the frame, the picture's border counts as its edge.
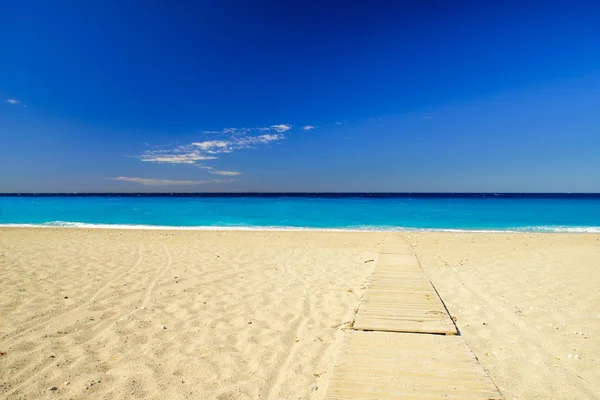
(118, 314)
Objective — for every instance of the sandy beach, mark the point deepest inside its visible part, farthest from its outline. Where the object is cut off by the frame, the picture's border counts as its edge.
(112, 314)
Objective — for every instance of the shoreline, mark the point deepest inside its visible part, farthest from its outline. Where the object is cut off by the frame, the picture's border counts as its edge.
(523, 230)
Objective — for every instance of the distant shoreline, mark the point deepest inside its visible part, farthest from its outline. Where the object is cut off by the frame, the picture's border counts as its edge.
(527, 230)
(337, 195)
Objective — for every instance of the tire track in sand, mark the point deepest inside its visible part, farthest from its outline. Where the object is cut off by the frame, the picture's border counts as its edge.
(86, 303)
(297, 327)
(150, 288)
(100, 329)
(106, 326)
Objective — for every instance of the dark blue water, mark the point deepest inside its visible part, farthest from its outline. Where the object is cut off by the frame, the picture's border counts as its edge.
(547, 212)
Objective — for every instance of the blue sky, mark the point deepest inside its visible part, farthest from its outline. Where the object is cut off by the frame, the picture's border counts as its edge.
(219, 96)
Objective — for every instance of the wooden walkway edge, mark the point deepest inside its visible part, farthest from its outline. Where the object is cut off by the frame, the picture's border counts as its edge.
(403, 344)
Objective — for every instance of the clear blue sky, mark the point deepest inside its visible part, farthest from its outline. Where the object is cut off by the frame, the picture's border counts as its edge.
(299, 96)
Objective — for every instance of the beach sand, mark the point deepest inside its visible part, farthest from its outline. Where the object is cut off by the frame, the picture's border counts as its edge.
(527, 305)
(112, 314)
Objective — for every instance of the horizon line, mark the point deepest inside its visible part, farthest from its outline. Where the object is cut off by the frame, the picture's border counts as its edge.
(291, 193)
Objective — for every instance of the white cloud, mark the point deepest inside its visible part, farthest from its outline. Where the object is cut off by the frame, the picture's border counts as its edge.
(225, 173)
(163, 182)
(281, 128)
(249, 141)
(338, 123)
(13, 101)
(205, 151)
(213, 146)
(308, 127)
(213, 171)
(179, 155)
(196, 153)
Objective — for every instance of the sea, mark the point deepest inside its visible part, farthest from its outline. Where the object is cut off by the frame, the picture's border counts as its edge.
(564, 212)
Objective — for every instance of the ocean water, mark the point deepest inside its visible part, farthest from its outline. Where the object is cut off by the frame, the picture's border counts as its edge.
(488, 212)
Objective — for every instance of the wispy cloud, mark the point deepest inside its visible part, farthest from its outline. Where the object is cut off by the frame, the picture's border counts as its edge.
(164, 182)
(214, 146)
(225, 173)
(234, 143)
(281, 128)
(197, 153)
(177, 155)
(213, 171)
(338, 123)
(246, 142)
(13, 101)
(308, 127)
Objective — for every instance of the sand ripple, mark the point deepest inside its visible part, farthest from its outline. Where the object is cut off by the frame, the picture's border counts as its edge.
(135, 314)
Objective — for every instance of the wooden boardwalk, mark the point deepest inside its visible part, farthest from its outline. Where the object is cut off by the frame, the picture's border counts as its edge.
(402, 345)
(400, 298)
(386, 365)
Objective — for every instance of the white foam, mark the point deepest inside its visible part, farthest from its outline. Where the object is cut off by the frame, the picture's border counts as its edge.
(571, 229)
(525, 229)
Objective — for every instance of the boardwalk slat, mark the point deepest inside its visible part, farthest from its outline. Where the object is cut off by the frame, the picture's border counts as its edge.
(389, 365)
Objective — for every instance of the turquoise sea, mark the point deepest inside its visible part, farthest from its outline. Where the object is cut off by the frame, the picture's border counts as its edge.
(488, 212)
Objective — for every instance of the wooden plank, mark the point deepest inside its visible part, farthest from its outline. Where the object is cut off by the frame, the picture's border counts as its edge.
(400, 298)
(396, 248)
(395, 258)
(386, 365)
